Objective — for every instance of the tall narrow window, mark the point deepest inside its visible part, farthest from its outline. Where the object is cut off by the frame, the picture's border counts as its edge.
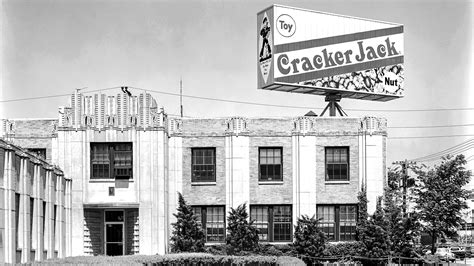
(270, 164)
(337, 163)
(212, 220)
(123, 161)
(203, 165)
(282, 223)
(328, 221)
(100, 161)
(273, 221)
(260, 216)
(338, 222)
(347, 223)
(111, 160)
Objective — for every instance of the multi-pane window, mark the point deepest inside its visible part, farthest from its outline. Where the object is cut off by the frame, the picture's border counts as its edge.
(212, 220)
(274, 222)
(203, 167)
(328, 221)
(260, 216)
(338, 222)
(337, 163)
(111, 160)
(270, 164)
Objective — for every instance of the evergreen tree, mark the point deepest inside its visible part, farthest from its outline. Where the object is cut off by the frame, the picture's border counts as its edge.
(309, 239)
(242, 234)
(376, 241)
(440, 197)
(187, 235)
(362, 218)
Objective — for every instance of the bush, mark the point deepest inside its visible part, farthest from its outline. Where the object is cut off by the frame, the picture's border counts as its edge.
(309, 239)
(176, 259)
(216, 249)
(342, 249)
(276, 250)
(243, 235)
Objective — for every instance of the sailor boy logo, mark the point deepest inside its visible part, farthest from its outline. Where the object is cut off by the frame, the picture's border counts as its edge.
(265, 47)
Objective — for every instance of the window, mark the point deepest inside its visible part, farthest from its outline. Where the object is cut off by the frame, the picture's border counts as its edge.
(338, 222)
(111, 160)
(41, 152)
(212, 220)
(274, 222)
(337, 163)
(270, 164)
(203, 165)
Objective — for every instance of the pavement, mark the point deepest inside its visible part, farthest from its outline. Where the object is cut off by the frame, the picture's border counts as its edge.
(468, 261)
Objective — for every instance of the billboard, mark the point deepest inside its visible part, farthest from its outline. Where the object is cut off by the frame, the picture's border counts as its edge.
(304, 51)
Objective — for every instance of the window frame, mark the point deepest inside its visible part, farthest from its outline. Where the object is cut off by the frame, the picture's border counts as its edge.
(281, 164)
(111, 150)
(271, 222)
(326, 175)
(203, 220)
(193, 177)
(337, 220)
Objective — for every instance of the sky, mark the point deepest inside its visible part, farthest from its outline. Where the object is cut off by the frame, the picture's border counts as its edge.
(53, 47)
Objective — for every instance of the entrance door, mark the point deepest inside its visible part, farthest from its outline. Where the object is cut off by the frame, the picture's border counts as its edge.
(114, 233)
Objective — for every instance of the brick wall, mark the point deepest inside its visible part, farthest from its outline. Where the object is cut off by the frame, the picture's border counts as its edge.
(332, 192)
(204, 194)
(271, 194)
(34, 134)
(204, 127)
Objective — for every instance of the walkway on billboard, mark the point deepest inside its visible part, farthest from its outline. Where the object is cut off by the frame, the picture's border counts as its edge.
(322, 91)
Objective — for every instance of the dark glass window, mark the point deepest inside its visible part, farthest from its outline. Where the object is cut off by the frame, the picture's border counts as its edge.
(203, 165)
(212, 219)
(17, 218)
(337, 163)
(114, 216)
(270, 164)
(111, 160)
(338, 222)
(274, 222)
(38, 151)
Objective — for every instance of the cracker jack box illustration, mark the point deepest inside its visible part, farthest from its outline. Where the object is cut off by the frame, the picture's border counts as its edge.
(312, 52)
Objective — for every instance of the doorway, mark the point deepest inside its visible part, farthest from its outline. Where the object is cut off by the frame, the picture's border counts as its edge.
(114, 233)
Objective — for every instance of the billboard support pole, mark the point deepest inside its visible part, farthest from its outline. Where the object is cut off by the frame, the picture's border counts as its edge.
(332, 99)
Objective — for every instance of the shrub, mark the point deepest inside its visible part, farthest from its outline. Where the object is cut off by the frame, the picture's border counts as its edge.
(243, 235)
(342, 249)
(187, 235)
(176, 259)
(275, 250)
(309, 239)
(216, 249)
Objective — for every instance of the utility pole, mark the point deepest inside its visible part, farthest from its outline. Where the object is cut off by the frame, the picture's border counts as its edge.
(181, 96)
(404, 165)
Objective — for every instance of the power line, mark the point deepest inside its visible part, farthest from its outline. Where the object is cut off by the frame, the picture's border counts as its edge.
(464, 146)
(52, 96)
(434, 126)
(428, 137)
(35, 98)
(252, 103)
(460, 147)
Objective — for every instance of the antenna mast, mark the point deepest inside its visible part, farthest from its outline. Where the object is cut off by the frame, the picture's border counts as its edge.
(181, 96)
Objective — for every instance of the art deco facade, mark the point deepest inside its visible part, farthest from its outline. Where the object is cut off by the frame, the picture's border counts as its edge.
(127, 160)
(35, 207)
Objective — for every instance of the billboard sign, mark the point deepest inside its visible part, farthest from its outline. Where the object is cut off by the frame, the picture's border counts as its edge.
(311, 52)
